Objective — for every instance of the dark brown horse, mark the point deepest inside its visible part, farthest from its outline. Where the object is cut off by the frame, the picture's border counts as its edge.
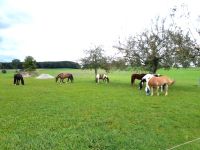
(17, 78)
(63, 76)
(136, 76)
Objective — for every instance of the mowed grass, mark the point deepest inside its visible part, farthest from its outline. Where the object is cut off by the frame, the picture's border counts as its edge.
(86, 115)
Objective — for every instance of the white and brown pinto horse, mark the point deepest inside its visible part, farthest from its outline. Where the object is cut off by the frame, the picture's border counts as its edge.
(103, 77)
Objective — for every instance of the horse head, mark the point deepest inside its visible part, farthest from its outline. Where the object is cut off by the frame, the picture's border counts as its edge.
(71, 77)
(141, 83)
(105, 78)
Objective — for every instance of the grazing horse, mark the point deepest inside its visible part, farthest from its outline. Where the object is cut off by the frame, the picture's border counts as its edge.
(17, 78)
(146, 79)
(136, 76)
(63, 76)
(103, 77)
(157, 82)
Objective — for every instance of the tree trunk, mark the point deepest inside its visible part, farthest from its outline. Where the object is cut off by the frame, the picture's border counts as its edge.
(154, 65)
(95, 70)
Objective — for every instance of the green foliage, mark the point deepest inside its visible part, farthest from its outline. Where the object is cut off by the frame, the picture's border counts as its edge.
(3, 71)
(86, 115)
(95, 59)
(16, 63)
(58, 64)
(29, 63)
(165, 43)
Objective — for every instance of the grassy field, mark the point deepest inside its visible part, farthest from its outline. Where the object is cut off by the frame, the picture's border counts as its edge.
(86, 115)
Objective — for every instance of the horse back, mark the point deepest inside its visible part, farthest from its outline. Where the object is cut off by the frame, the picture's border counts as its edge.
(157, 81)
(169, 81)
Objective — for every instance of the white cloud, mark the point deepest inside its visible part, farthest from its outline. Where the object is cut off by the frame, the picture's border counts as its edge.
(62, 29)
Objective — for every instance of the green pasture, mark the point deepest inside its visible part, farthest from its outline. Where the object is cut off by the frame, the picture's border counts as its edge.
(84, 115)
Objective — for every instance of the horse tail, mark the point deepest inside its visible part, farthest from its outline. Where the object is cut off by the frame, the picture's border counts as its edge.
(172, 82)
(22, 80)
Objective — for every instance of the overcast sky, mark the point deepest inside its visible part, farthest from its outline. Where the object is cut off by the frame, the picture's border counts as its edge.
(52, 30)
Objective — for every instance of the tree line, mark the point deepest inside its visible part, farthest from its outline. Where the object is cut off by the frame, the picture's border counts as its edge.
(30, 64)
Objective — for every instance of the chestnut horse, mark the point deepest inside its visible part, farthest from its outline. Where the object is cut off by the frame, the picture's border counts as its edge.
(146, 79)
(136, 76)
(17, 78)
(103, 77)
(63, 76)
(157, 82)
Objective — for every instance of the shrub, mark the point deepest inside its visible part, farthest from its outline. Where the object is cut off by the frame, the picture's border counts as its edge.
(4, 71)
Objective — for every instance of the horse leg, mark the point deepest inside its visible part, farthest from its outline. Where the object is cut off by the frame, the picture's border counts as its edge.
(132, 81)
(152, 91)
(157, 90)
(166, 89)
(17, 83)
(161, 88)
(63, 81)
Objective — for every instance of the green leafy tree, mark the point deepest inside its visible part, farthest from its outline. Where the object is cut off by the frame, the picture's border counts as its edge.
(29, 63)
(164, 44)
(15, 63)
(95, 59)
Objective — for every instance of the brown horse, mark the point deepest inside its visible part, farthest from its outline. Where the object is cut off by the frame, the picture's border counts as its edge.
(157, 82)
(63, 76)
(136, 76)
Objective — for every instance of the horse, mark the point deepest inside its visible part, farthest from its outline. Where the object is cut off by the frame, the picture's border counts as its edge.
(17, 78)
(158, 82)
(146, 78)
(103, 77)
(136, 76)
(63, 76)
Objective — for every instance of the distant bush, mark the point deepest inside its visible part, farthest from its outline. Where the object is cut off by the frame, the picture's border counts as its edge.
(4, 71)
